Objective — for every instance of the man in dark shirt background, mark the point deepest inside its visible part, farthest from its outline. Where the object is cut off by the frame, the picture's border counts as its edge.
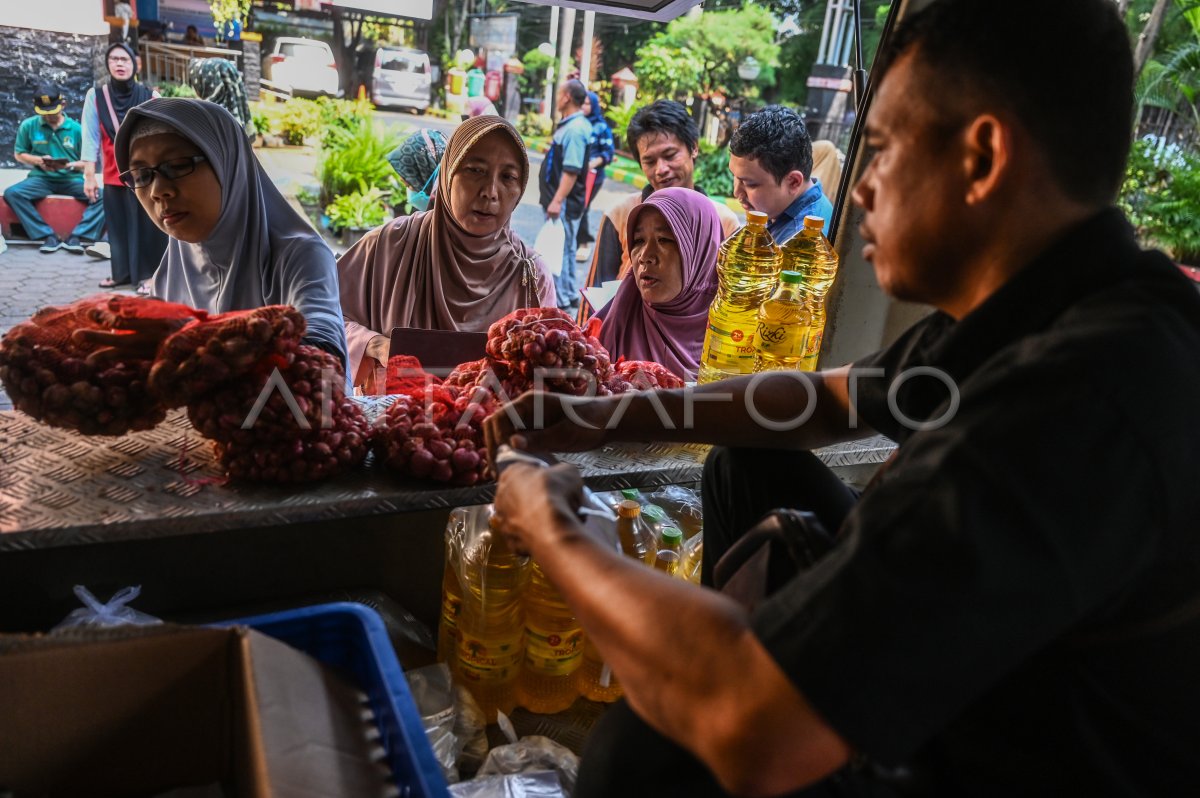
(1012, 606)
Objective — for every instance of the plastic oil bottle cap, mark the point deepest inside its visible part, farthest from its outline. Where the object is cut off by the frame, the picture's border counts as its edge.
(789, 276)
(672, 536)
(631, 494)
(814, 221)
(629, 509)
(757, 219)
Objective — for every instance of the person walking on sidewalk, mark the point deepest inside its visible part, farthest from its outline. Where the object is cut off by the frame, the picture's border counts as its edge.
(49, 142)
(136, 246)
(600, 155)
(560, 187)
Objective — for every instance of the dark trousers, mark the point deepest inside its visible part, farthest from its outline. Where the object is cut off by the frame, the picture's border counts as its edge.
(21, 196)
(137, 246)
(624, 756)
(584, 236)
(740, 486)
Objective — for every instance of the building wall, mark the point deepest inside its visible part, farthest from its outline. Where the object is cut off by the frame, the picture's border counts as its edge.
(31, 56)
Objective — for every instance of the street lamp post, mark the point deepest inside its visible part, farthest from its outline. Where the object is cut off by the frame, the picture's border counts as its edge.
(749, 68)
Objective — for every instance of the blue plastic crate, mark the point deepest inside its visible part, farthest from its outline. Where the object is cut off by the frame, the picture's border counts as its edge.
(352, 638)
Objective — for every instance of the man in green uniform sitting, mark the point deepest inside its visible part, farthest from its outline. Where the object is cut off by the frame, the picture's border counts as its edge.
(50, 143)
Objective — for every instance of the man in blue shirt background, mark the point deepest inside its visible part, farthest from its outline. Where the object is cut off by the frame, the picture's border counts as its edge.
(770, 157)
(562, 183)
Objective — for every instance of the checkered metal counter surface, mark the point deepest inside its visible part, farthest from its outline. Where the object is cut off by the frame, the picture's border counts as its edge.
(59, 488)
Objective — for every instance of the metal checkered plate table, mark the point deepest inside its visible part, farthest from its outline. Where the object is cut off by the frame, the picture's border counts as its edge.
(59, 488)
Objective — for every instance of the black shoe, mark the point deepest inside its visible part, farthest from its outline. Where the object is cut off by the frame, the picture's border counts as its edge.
(73, 244)
(51, 244)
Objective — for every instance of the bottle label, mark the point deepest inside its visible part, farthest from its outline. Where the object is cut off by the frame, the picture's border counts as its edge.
(782, 341)
(494, 658)
(553, 652)
(451, 609)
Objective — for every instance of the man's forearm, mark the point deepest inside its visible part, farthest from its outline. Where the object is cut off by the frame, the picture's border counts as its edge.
(786, 410)
(29, 159)
(565, 184)
(697, 673)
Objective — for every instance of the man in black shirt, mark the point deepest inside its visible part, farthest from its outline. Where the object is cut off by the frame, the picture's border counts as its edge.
(1011, 608)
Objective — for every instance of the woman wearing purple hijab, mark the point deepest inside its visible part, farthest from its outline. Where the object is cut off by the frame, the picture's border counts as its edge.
(660, 312)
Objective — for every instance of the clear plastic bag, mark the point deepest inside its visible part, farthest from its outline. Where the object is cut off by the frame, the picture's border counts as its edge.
(115, 612)
(542, 784)
(531, 754)
(433, 694)
(683, 507)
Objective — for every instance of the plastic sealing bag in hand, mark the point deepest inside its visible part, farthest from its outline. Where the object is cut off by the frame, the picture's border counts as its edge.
(539, 784)
(115, 613)
(549, 244)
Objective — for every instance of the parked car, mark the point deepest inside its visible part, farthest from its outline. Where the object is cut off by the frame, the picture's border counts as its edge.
(401, 78)
(302, 66)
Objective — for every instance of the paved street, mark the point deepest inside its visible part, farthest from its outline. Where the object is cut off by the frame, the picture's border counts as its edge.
(30, 280)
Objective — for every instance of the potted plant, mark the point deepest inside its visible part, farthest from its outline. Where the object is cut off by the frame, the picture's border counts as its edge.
(355, 213)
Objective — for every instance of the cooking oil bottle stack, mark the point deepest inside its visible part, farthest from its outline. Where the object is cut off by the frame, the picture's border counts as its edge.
(748, 268)
(783, 325)
(810, 253)
(491, 626)
(594, 680)
(553, 649)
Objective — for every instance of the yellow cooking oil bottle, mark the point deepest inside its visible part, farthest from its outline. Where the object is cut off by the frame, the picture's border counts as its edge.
(451, 608)
(553, 649)
(810, 253)
(783, 323)
(595, 680)
(491, 627)
(748, 266)
(670, 551)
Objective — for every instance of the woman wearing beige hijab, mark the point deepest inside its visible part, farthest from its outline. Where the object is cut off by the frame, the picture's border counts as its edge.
(827, 167)
(456, 266)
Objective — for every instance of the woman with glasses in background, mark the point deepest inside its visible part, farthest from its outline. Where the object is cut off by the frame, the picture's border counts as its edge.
(234, 242)
(135, 244)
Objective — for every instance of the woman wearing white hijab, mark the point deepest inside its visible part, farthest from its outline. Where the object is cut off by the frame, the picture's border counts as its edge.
(235, 242)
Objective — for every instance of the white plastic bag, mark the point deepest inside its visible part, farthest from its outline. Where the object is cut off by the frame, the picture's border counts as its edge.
(549, 244)
(115, 612)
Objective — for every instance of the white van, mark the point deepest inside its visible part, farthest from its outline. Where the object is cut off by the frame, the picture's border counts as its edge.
(401, 78)
(302, 66)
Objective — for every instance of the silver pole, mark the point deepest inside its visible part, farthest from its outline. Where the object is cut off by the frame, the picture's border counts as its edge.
(585, 59)
(549, 104)
(824, 50)
(565, 35)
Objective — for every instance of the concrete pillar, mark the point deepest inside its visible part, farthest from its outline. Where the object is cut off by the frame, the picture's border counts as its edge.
(585, 60)
(565, 35)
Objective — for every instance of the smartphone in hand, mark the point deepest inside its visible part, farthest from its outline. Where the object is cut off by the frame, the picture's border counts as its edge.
(54, 164)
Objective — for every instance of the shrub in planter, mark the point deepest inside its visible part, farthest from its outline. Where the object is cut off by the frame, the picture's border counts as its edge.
(176, 90)
(1161, 197)
(299, 120)
(357, 212)
(355, 159)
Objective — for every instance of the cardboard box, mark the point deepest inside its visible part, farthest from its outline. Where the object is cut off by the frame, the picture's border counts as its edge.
(143, 710)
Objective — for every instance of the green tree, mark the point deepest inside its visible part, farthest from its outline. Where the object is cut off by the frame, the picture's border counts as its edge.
(666, 71)
(716, 41)
(225, 12)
